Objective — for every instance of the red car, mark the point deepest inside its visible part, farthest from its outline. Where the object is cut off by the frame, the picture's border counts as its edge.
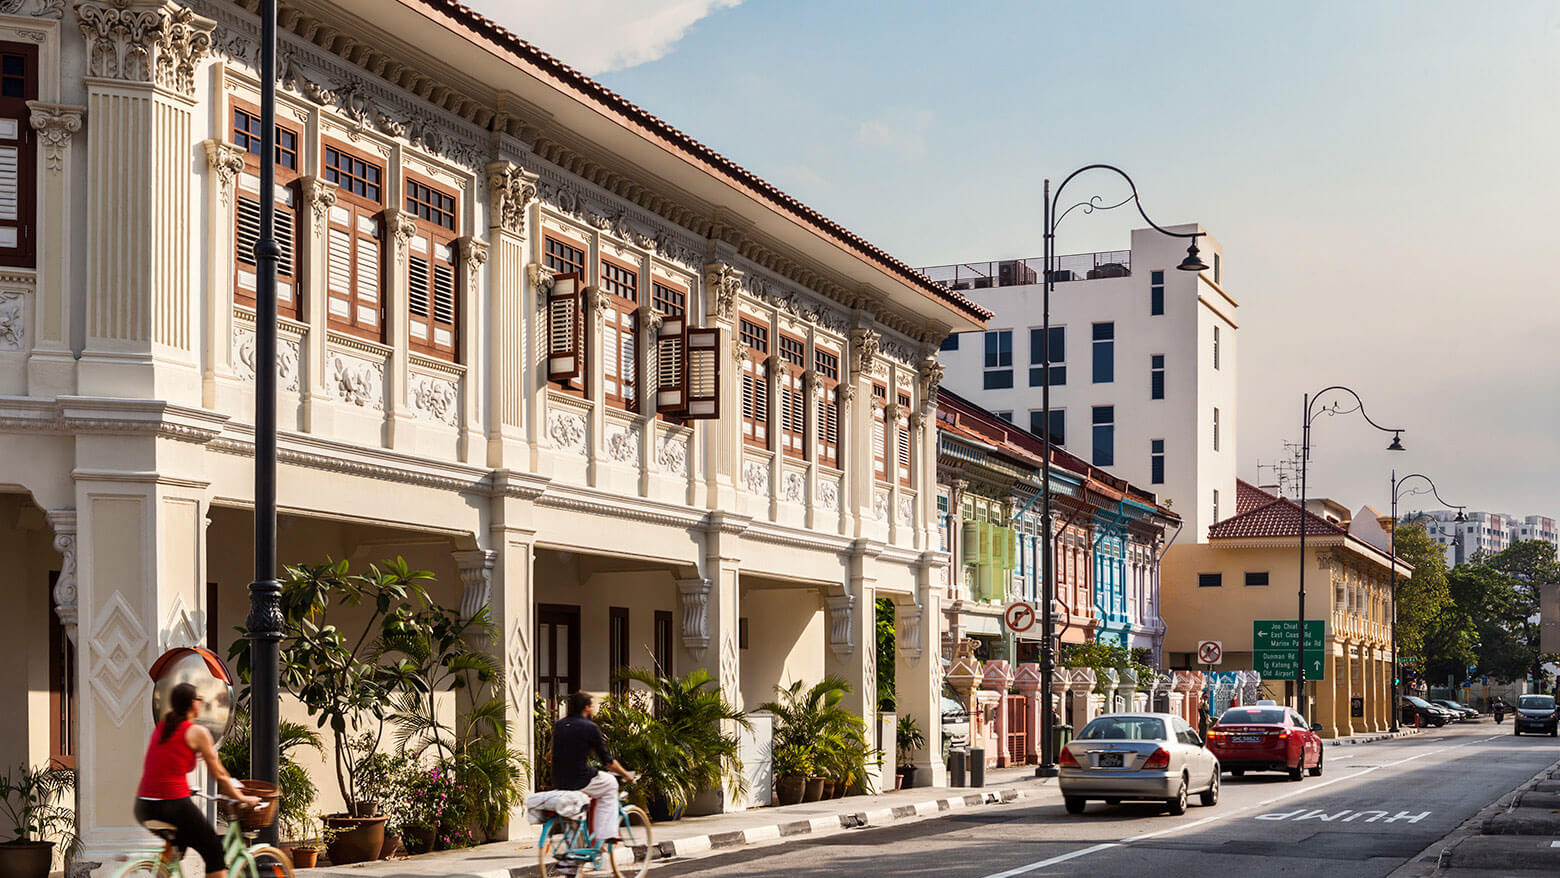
(1266, 737)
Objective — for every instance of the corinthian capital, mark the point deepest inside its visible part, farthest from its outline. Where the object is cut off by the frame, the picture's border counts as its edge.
(721, 283)
(139, 41)
(55, 123)
(511, 189)
(226, 162)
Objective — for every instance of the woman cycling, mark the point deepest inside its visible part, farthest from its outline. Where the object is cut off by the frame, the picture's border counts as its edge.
(164, 793)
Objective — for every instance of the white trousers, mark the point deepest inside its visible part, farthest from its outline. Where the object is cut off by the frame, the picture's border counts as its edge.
(603, 792)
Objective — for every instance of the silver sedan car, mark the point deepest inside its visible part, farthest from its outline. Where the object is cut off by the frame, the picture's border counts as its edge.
(1138, 757)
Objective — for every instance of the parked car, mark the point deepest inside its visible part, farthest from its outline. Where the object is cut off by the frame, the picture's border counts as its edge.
(955, 724)
(1416, 711)
(1463, 711)
(1536, 713)
(1138, 757)
(1259, 738)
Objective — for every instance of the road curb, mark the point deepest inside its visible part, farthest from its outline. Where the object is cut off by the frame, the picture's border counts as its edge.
(1371, 738)
(1429, 861)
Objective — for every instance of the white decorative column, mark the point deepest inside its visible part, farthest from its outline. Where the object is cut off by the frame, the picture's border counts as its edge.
(318, 196)
(918, 675)
(852, 631)
(141, 58)
(224, 164)
(474, 318)
(510, 323)
(718, 443)
(51, 366)
(400, 226)
(511, 603)
(717, 598)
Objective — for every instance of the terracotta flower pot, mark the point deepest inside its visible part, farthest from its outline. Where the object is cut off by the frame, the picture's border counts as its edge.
(814, 789)
(391, 846)
(417, 840)
(789, 790)
(357, 839)
(26, 859)
(828, 788)
(305, 858)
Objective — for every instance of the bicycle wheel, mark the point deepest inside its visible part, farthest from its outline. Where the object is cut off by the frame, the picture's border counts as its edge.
(269, 862)
(630, 857)
(144, 867)
(558, 838)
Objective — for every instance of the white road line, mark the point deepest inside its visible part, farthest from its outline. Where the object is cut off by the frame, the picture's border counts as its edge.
(1182, 827)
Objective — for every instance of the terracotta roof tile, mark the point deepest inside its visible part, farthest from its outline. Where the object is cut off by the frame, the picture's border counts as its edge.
(1277, 517)
(590, 88)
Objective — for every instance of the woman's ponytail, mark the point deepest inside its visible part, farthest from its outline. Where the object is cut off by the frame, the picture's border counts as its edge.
(180, 700)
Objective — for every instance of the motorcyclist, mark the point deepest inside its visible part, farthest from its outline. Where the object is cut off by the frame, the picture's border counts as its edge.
(1499, 708)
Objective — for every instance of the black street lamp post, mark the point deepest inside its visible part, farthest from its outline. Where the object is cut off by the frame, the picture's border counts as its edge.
(1397, 484)
(1310, 415)
(264, 625)
(1192, 262)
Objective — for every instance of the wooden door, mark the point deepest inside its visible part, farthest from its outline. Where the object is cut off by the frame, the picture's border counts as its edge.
(557, 654)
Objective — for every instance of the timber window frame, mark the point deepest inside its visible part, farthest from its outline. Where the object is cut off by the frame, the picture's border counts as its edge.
(620, 334)
(18, 156)
(904, 471)
(826, 371)
(753, 335)
(244, 132)
(880, 434)
(433, 299)
(568, 354)
(791, 353)
(356, 258)
(670, 357)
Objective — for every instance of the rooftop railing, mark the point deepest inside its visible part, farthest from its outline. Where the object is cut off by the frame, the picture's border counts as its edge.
(1020, 272)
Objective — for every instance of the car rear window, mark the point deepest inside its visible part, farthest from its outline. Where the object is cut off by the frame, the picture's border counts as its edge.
(1536, 702)
(1252, 715)
(1124, 728)
(1417, 702)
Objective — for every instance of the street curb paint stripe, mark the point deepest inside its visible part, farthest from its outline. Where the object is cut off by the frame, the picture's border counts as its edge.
(1054, 860)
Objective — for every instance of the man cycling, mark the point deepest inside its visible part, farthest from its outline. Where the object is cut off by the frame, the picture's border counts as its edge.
(574, 739)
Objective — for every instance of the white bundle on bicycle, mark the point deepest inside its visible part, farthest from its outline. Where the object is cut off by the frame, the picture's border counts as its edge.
(568, 804)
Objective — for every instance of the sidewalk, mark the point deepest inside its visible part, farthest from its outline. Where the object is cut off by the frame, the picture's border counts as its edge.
(694, 835)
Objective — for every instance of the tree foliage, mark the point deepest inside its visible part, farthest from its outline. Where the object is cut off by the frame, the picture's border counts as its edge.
(1422, 598)
(1490, 622)
(885, 653)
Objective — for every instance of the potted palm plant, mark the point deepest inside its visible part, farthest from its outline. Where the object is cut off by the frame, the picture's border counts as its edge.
(31, 803)
(811, 718)
(792, 764)
(908, 738)
(673, 730)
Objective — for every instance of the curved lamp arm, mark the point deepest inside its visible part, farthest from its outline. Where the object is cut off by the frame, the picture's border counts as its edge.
(1433, 491)
(1310, 415)
(1092, 204)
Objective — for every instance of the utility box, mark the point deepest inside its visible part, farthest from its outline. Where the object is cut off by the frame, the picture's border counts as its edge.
(1549, 618)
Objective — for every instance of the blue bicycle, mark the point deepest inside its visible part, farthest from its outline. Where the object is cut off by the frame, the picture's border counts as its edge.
(567, 848)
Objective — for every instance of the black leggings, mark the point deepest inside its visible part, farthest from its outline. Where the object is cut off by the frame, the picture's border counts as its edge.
(191, 828)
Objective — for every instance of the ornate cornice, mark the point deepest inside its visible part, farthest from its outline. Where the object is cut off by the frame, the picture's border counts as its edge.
(55, 124)
(160, 44)
(511, 189)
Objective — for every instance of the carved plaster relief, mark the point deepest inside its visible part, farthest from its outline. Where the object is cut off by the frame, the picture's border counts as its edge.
(755, 477)
(287, 358)
(356, 381)
(794, 487)
(841, 613)
(182, 627)
(13, 322)
(567, 431)
(829, 494)
(672, 455)
(55, 123)
(694, 595)
(162, 46)
(117, 647)
(434, 398)
(622, 441)
(880, 504)
(34, 8)
(907, 510)
(63, 523)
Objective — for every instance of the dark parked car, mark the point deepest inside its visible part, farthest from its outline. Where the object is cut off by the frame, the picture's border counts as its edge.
(1463, 711)
(1418, 712)
(1266, 739)
(1536, 713)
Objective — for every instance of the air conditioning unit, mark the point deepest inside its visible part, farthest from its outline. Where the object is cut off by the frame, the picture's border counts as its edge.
(1014, 272)
(1063, 274)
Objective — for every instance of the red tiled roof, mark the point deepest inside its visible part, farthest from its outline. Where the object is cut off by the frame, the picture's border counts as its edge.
(593, 90)
(1274, 517)
(1249, 497)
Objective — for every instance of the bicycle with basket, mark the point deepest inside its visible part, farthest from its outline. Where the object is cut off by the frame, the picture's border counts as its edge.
(244, 857)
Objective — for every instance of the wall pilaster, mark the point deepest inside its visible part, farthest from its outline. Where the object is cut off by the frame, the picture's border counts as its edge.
(51, 366)
(511, 193)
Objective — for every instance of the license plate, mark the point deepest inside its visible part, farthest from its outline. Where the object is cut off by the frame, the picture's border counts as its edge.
(1110, 760)
(1247, 739)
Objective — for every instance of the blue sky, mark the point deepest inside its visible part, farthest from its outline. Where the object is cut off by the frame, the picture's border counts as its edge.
(1384, 176)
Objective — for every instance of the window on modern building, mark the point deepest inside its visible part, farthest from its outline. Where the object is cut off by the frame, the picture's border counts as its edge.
(617, 647)
(827, 366)
(1156, 293)
(566, 257)
(1210, 580)
(902, 431)
(792, 363)
(620, 335)
(1215, 505)
(1104, 453)
(1058, 424)
(1156, 376)
(18, 155)
(1006, 416)
(1104, 353)
(754, 336)
(999, 359)
(1058, 354)
(433, 297)
(246, 132)
(354, 265)
(880, 432)
(1218, 269)
(1256, 578)
(1216, 347)
(951, 343)
(1156, 461)
(1215, 428)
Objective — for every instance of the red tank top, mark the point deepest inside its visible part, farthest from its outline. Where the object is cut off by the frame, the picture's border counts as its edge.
(164, 774)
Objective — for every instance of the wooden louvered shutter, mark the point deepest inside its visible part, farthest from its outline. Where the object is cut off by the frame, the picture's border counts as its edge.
(702, 373)
(565, 329)
(879, 443)
(430, 301)
(902, 440)
(671, 378)
(829, 426)
(419, 291)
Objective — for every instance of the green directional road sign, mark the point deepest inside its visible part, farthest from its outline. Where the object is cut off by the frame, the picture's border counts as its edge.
(1274, 643)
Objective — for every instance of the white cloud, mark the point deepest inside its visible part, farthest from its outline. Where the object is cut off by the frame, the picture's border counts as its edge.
(901, 133)
(599, 36)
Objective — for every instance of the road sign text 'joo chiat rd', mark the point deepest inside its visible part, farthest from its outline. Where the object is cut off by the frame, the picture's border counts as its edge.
(1274, 643)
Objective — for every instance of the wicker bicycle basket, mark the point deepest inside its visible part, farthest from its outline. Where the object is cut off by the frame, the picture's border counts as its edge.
(255, 817)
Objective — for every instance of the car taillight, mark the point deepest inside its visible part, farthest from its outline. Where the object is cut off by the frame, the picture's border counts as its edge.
(1068, 758)
(1160, 759)
(1215, 733)
(1282, 735)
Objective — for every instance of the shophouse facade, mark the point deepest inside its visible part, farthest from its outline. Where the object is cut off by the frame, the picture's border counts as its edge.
(1248, 570)
(1143, 364)
(589, 372)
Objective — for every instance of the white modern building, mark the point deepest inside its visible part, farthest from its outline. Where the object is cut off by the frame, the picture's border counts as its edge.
(1143, 364)
(1487, 532)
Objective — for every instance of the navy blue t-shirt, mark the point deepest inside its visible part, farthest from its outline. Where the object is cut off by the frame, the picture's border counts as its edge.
(574, 739)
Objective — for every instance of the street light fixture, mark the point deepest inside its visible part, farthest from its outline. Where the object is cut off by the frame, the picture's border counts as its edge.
(1310, 414)
(1192, 262)
(1397, 484)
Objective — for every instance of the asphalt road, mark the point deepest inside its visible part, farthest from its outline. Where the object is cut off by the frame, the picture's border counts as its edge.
(1375, 807)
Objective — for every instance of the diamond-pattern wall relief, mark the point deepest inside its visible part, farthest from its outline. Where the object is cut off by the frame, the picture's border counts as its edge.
(118, 648)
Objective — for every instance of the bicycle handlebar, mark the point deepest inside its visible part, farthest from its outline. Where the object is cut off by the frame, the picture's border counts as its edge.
(258, 806)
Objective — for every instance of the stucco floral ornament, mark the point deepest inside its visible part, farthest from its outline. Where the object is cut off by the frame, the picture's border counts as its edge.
(13, 324)
(55, 124)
